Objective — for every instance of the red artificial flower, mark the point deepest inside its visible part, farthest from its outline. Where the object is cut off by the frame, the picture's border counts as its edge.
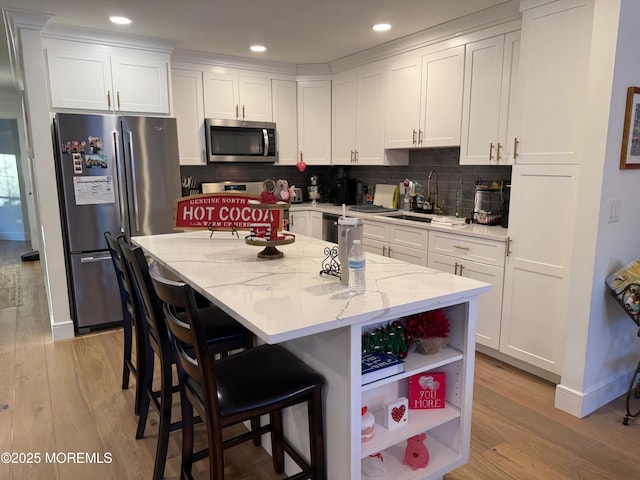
(428, 324)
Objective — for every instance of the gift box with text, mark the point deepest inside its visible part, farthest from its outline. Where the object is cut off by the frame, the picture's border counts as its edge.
(427, 390)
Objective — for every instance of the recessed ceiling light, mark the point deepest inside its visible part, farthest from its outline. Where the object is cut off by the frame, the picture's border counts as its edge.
(381, 27)
(120, 20)
(258, 48)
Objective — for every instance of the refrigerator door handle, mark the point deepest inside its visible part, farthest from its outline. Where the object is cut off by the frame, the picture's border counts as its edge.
(94, 259)
(116, 147)
(133, 180)
(265, 135)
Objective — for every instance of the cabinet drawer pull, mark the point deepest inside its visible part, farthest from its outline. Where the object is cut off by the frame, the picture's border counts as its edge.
(498, 157)
(461, 267)
(109, 99)
(455, 269)
(508, 246)
(237, 112)
(243, 114)
(414, 136)
(515, 148)
(461, 247)
(491, 151)
(419, 137)
(384, 251)
(389, 251)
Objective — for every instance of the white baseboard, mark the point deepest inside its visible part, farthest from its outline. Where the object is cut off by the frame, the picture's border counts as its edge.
(515, 362)
(581, 404)
(62, 331)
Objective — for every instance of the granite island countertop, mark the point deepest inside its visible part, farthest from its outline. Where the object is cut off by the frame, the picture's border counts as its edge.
(288, 298)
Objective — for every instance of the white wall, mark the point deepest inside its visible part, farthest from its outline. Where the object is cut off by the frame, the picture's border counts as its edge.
(29, 28)
(601, 348)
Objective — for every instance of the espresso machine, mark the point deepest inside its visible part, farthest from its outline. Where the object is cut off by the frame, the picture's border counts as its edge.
(488, 202)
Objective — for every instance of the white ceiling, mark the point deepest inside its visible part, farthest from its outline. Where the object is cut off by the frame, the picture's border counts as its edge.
(294, 31)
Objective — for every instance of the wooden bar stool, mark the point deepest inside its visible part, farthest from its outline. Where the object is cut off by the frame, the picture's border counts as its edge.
(221, 336)
(132, 324)
(262, 381)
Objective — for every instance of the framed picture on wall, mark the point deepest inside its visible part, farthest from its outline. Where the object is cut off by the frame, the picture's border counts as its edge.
(630, 154)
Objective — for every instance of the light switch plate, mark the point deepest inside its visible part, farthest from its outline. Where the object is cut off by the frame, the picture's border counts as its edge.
(614, 210)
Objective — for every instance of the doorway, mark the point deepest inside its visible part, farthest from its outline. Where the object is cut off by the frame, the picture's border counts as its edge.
(14, 219)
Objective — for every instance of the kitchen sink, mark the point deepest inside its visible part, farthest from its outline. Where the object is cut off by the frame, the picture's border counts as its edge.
(413, 218)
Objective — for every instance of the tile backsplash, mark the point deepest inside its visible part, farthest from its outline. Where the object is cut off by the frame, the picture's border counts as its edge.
(443, 160)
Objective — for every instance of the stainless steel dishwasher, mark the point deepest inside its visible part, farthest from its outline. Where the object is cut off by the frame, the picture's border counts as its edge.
(330, 227)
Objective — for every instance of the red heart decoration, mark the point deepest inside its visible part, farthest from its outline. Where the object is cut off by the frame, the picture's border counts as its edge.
(301, 165)
(397, 413)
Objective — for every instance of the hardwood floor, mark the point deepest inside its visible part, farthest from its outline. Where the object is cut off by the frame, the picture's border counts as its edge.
(65, 398)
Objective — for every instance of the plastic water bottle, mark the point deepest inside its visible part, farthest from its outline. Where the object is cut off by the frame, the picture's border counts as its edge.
(357, 282)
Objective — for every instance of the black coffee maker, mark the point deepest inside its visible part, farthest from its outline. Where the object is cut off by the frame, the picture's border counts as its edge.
(346, 189)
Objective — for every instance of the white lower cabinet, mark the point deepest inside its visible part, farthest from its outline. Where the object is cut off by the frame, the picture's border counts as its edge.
(315, 224)
(300, 222)
(395, 241)
(538, 267)
(480, 259)
(447, 429)
(306, 222)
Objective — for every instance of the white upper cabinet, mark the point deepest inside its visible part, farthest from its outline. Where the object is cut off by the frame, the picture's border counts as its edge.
(285, 116)
(343, 112)
(370, 116)
(489, 105)
(188, 108)
(314, 121)
(424, 100)
(237, 97)
(359, 113)
(555, 40)
(82, 77)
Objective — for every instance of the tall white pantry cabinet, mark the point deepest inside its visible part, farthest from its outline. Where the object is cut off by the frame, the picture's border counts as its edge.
(554, 64)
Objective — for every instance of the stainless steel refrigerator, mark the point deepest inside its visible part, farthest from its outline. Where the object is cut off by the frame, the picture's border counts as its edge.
(118, 174)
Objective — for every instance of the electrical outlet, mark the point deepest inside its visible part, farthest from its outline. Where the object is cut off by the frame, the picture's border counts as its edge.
(614, 211)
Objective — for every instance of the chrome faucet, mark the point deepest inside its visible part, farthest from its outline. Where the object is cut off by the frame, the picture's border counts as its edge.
(434, 200)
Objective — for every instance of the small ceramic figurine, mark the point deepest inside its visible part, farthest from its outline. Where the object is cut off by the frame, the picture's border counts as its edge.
(282, 190)
(368, 425)
(416, 455)
(373, 466)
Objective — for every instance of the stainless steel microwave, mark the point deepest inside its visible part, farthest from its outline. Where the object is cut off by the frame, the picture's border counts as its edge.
(240, 141)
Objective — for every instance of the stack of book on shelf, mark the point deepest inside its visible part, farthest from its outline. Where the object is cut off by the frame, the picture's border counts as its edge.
(377, 365)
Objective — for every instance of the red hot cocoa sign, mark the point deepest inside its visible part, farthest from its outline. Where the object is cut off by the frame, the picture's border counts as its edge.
(222, 211)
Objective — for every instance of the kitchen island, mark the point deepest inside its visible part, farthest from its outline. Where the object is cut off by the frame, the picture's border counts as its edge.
(288, 301)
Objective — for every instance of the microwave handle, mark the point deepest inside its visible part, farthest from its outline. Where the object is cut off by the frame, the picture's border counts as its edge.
(265, 135)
